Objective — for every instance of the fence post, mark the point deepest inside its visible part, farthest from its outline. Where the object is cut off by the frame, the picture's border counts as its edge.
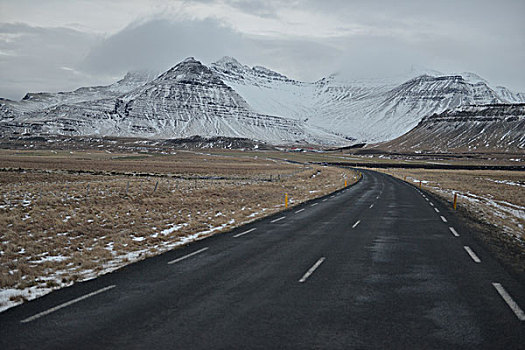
(156, 185)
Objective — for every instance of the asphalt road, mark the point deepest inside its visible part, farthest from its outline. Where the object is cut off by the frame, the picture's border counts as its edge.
(373, 266)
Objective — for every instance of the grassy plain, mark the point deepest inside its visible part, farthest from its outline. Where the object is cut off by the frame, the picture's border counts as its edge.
(68, 216)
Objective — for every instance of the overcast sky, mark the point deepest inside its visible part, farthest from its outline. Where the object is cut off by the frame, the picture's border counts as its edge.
(59, 45)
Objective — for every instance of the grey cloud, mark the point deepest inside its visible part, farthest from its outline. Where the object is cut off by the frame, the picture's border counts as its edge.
(259, 8)
(32, 58)
(159, 44)
(481, 36)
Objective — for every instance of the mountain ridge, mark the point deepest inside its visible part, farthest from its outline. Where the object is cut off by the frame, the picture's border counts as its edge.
(228, 98)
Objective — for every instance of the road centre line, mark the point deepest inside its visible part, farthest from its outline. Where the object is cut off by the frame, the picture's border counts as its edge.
(278, 219)
(510, 302)
(300, 210)
(245, 232)
(356, 223)
(453, 231)
(437, 210)
(472, 254)
(313, 205)
(311, 270)
(187, 256)
(71, 302)
(443, 218)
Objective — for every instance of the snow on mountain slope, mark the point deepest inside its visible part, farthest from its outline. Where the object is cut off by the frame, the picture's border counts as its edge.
(493, 127)
(369, 110)
(234, 100)
(41, 100)
(187, 100)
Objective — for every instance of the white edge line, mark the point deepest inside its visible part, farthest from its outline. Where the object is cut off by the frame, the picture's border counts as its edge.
(453, 231)
(472, 254)
(243, 233)
(510, 302)
(356, 223)
(187, 256)
(300, 210)
(278, 219)
(443, 218)
(311, 270)
(71, 302)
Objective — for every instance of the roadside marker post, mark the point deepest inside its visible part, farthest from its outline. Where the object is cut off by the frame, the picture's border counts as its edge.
(286, 200)
(345, 183)
(455, 200)
(419, 184)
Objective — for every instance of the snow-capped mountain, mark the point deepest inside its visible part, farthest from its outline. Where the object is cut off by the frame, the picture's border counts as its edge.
(368, 110)
(189, 99)
(41, 100)
(233, 100)
(493, 127)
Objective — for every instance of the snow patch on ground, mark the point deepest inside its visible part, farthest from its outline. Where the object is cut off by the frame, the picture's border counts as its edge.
(10, 297)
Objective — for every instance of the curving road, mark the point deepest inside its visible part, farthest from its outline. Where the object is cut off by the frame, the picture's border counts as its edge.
(378, 265)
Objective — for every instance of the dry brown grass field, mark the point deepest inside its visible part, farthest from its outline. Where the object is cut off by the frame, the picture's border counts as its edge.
(59, 227)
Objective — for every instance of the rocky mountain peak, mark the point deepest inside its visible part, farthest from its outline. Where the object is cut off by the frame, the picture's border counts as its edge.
(229, 63)
(190, 71)
(137, 77)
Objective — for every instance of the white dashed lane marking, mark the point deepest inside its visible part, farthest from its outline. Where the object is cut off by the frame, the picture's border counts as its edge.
(357, 223)
(300, 210)
(443, 218)
(245, 232)
(278, 219)
(437, 210)
(187, 256)
(510, 302)
(313, 205)
(453, 231)
(311, 270)
(472, 254)
(71, 302)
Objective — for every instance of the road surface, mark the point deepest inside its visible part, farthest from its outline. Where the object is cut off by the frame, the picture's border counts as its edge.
(378, 265)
